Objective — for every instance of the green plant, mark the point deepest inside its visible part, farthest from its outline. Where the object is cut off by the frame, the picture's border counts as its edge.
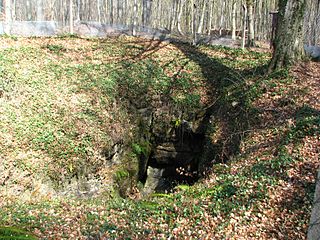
(57, 49)
(144, 147)
(13, 37)
(67, 36)
(14, 233)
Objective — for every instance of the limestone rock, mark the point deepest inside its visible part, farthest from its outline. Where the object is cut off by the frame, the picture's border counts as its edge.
(171, 154)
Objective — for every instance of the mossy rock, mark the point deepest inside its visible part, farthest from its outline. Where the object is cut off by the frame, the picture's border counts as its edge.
(125, 177)
(15, 233)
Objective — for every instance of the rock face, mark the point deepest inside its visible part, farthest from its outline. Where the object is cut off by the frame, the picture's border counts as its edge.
(171, 154)
(173, 158)
(155, 181)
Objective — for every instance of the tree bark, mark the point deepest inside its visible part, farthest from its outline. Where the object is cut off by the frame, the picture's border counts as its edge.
(135, 18)
(39, 10)
(111, 12)
(201, 21)
(233, 25)
(71, 16)
(8, 10)
(210, 17)
(244, 26)
(146, 12)
(251, 42)
(288, 45)
(194, 23)
(179, 16)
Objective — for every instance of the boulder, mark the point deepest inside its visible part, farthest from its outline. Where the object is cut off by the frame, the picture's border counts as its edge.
(313, 51)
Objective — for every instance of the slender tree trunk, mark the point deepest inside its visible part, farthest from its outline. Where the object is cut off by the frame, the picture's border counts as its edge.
(78, 10)
(71, 16)
(200, 26)
(158, 18)
(13, 10)
(244, 26)
(251, 42)
(98, 10)
(135, 18)
(29, 11)
(289, 34)
(210, 17)
(111, 12)
(180, 15)
(192, 7)
(222, 17)
(146, 12)
(8, 10)
(173, 15)
(194, 23)
(39, 10)
(233, 25)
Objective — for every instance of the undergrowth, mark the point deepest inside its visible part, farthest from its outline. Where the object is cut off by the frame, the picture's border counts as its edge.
(65, 101)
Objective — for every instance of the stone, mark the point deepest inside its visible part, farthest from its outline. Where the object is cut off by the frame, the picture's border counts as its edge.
(313, 51)
(172, 154)
(155, 181)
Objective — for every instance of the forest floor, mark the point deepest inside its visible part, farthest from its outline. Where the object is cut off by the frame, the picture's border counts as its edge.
(59, 105)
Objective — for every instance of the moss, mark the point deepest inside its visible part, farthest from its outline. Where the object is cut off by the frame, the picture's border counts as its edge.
(125, 178)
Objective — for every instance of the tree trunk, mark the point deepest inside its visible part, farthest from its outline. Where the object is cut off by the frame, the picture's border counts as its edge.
(288, 47)
(244, 26)
(210, 17)
(71, 16)
(316, 24)
(179, 16)
(8, 10)
(39, 10)
(146, 12)
(194, 23)
(98, 11)
(233, 25)
(111, 12)
(222, 17)
(201, 21)
(78, 10)
(251, 42)
(13, 11)
(192, 7)
(135, 18)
